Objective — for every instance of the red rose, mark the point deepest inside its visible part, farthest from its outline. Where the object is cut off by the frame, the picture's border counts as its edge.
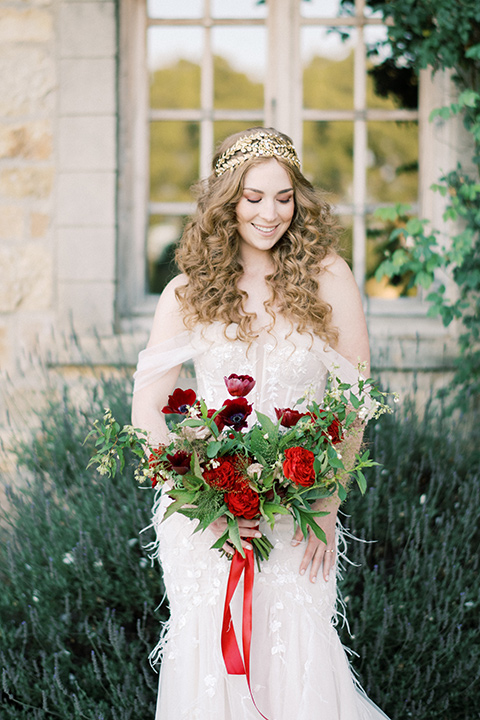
(218, 420)
(235, 413)
(180, 402)
(289, 417)
(223, 477)
(245, 503)
(334, 431)
(180, 462)
(239, 385)
(298, 466)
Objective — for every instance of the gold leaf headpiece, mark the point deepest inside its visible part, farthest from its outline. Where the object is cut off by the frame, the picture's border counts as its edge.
(259, 144)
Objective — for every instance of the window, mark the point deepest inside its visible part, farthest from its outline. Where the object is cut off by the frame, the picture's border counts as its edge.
(216, 67)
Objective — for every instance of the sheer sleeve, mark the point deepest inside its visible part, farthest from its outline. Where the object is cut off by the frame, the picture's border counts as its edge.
(155, 361)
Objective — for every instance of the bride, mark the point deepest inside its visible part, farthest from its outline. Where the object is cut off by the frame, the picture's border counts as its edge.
(262, 292)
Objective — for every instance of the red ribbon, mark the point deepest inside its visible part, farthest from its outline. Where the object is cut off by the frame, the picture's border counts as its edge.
(231, 654)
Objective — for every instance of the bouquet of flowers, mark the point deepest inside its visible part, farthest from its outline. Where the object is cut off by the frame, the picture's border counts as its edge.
(216, 465)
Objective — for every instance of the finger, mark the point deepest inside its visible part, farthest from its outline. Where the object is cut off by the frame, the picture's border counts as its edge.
(297, 537)
(307, 556)
(317, 560)
(328, 562)
(250, 532)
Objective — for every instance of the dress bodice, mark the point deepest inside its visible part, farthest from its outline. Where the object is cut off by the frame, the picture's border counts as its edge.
(284, 369)
(285, 364)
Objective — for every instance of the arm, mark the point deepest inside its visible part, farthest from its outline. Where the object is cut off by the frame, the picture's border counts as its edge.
(339, 289)
(148, 402)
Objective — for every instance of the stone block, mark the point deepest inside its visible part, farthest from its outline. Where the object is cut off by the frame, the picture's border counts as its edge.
(29, 141)
(39, 223)
(86, 199)
(86, 254)
(26, 278)
(28, 80)
(87, 307)
(23, 182)
(25, 25)
(87, 86)
(87, 143)
(11, 222)
(87, 29)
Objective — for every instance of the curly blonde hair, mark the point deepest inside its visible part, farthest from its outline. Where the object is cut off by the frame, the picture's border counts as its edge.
(209, 254)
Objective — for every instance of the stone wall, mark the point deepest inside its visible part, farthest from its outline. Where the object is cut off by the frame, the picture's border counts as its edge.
(58, 120)
(59, 161)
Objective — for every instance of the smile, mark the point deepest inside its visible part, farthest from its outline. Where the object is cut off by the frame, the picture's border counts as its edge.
(265, 230)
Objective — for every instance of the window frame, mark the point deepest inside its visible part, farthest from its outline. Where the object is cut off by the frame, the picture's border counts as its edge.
(283, 108)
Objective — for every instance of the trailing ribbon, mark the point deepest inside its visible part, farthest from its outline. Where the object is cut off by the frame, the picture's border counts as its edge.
(231, 654)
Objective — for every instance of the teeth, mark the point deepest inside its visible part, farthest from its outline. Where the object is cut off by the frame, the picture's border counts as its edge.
(262, 228)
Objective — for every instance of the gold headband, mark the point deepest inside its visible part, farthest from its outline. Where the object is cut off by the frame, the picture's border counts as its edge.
(259, 144)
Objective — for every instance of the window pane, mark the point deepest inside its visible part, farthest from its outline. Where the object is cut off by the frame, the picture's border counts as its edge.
(378, 232)
(328, 158)
(392, 173)
(320, 8)
(163, 235)
(223, 129)
(174, 8)
(174, 160)
(327, 68)
(174, 57)
(229, 9)
(239, 67)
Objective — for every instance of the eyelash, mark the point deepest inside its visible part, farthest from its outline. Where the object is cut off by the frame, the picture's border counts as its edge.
(284, 202)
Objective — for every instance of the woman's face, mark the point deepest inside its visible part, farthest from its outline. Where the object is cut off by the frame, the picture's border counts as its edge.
(266, 207)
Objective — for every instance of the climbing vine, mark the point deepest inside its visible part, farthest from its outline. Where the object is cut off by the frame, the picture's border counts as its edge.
(444, 35)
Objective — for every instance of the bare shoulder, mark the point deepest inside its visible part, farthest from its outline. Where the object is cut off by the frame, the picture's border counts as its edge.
(168, 319)
(338, 288)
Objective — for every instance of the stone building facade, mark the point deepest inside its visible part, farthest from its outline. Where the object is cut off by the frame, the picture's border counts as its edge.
(68, 190)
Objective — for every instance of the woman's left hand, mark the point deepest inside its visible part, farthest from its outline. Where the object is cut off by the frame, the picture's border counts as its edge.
(316, 551)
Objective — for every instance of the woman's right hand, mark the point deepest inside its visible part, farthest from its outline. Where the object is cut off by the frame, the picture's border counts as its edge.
(247, 528)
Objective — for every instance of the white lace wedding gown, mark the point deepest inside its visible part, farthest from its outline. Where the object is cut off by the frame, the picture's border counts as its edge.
(299, 669)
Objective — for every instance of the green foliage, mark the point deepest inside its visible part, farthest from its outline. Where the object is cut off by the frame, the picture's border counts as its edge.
(413, 603)
(443, 35)
(77, 606)
(78, 597)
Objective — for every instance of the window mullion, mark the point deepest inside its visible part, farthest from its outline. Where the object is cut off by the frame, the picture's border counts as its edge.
(359, 152)
(206, 98)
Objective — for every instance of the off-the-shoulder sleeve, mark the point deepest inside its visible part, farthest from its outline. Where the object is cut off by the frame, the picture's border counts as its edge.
(157, 360)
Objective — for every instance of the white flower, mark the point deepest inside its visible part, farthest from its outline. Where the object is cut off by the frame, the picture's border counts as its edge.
(422, 499)
(254, 470)
(143, 562)
(195, 433)
(68, 558)
(265, 437)
(98, 564)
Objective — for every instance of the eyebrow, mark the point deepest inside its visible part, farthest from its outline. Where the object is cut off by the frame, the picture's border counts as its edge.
(260, 192)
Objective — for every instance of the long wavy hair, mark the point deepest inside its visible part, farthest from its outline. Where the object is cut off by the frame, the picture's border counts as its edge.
(209, 256)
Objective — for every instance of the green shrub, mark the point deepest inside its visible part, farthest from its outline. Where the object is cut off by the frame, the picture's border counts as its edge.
(78, 595)
(413, 605)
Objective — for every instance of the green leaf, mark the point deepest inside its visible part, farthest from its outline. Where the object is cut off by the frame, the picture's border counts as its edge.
(213, 448)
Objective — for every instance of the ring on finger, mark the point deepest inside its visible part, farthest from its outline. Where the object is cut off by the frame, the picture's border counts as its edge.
(329, 551)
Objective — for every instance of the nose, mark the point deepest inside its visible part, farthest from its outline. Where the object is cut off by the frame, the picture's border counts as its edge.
(268, 210)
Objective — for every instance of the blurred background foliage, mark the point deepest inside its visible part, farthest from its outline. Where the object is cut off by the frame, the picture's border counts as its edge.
(81, 606)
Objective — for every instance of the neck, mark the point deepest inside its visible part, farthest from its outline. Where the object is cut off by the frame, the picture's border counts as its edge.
(256, 262)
